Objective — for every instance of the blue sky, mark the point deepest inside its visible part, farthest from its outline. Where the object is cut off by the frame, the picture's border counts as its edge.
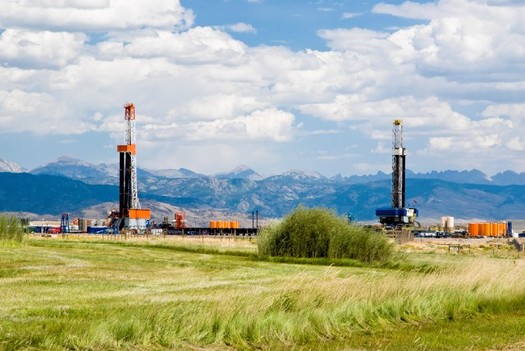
(275, 85)
(293, 24)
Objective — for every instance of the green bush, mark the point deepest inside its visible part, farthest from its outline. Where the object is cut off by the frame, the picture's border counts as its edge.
(11, 229)
(318, 232)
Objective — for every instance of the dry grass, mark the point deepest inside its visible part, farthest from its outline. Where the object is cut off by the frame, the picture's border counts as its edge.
(158, 294)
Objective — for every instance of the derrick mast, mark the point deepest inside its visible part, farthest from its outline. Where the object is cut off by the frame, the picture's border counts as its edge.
(397, 215)
(130, 213)
(398, 166)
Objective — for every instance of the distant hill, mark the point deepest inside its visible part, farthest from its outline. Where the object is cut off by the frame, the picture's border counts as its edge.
(80, 170)
(464, 177)
(509, 178)
(70, 185)
(47, 194)
(273, 196)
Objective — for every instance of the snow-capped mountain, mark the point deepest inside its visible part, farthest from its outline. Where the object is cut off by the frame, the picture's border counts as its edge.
(6, 166)
(241, 172)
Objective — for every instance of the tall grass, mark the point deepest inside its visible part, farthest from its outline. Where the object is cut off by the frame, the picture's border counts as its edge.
(318, 232)
(124, 297)
(11, 230)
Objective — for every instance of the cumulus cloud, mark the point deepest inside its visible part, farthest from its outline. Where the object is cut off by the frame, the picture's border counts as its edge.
(40, 49)
(514, 111)
(97, 15)
(200, 44)
(271, 124)
(456, 78)
(216, 106)
(38, 113)
(462, 35)
(267, 124)
(515, 144)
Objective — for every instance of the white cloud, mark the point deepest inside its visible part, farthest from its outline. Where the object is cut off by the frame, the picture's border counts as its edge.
(515, 144)
(242, 28)
(441, 143)
(39, 49)
(349, 15)
(216, 106)
(38, 113)
(513, 111)
(414, 10)
(197, 45)
(454, 78)
(463, 36)
(270, 124)
(98, 15)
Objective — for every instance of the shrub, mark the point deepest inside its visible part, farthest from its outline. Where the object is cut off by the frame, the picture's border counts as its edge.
(11, 229)
(318, 232)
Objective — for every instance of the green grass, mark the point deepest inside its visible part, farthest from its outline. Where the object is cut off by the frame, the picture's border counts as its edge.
(217, 295)
(320, 233)
(11, 230)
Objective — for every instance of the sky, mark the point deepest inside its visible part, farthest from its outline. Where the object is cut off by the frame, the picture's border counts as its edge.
(276, 85)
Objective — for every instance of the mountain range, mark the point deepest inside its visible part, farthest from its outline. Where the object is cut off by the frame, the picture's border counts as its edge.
(70, 185)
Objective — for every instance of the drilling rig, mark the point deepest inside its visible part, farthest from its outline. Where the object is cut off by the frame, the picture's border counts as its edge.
(130, 216)
(397, 215)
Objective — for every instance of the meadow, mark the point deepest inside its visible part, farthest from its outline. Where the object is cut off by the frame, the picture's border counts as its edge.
(87, 293)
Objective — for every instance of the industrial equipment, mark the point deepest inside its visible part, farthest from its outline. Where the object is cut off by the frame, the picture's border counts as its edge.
(397, 215)
(131, 215)
(64, 223)
(180, 220)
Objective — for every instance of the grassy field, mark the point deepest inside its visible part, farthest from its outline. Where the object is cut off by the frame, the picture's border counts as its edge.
(215, 294)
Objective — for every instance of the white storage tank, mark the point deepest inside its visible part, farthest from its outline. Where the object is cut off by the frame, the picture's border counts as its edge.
(443, 222)
(450, 224)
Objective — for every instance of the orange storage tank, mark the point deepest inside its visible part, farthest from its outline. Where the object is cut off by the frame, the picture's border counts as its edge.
(494, 229)
(482, 229)
(497, 230)
(485, 229)
(503, 228)
(489, 229)
(473, 229)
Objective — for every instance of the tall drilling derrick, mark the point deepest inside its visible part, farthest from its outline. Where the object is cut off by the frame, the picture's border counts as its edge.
(130, 212)
(397, 215)
(398, 166)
